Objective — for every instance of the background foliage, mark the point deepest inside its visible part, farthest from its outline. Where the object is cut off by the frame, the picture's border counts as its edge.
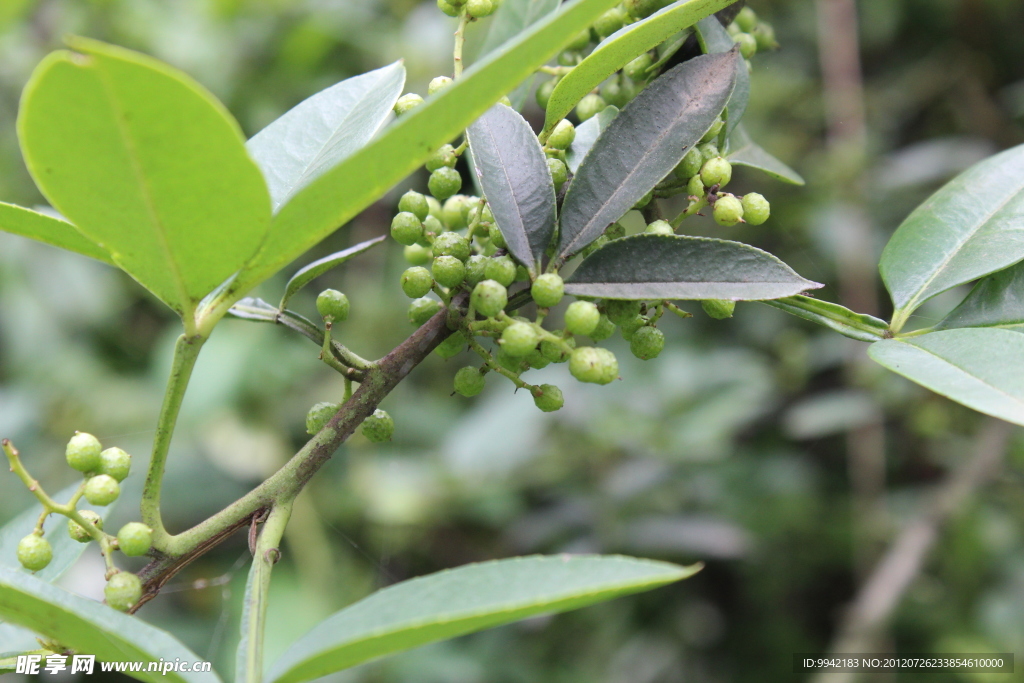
(755, 446)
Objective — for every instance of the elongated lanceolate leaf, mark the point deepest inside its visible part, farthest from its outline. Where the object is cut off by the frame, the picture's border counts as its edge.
(49, 230)
(619, 49)
(745, 152)
(971, 227)
(512, 18)
(679, 267)
(93, 628)
(514, 175)
(464, 600)
(648, 138)
(147, 164)
(982, 368)
(835, 317)
(320, 131)
(587, 134)
(715, 39)
(996, 301)
(321, 266)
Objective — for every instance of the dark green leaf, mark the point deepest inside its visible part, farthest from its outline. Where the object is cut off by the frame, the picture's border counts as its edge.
(745, 152)
(996, 301)
(49, 230)
(318, 268)
(514, 174)
(643, 144)
(649, 266)
(587, 134)
(835, 317)
(714, 39)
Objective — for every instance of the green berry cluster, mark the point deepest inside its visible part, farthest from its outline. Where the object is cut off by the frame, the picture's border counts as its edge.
(752, 34)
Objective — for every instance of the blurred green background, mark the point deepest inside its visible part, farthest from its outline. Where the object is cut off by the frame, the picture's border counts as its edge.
(763, 446)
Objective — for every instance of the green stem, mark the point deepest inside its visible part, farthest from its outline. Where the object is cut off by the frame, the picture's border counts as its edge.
(460, 40)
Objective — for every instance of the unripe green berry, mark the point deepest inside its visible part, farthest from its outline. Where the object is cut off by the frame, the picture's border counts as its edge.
(319, 415)
(407, 102)
(489, 298)
(544, 91)
(497, 239)
(422, 310)
(582, 317)
(522, 274)
(135, 539)
(605, 328)
(415, 203)
(555, 352)
(486, 215)
(443, 157)
(548, 398)
(417, 254)
(547, 290)
(448, 271)
(514, 364)
(593, 364)
(455, 210)
(756, 208)
(708, 150)
(452, 346)
(728, 210)
(569, 58)
(690, 165)
(610, 22)
(432, 227)
(660, 228)
(444, 182)
(713, 131)
(469, 381)
(438, 84)
(435, 206)
(451, 244)
(716, 171)
(615, 231)
(416, 282)
(78, 532)
(563, 135)
(719, 309)
(476, 269)
(123, 591)
(746, 19)
(630, 326)
(590, 105)
(695, 188)
(644, 201)
(637, 69)
(580, 41)
(644, 8)
(83, 452)
(116, 463)
(519, 339)
(34, 552)
(406, 228)
(378, 427)
(501, 269)
(448, 8)
(559, 173)
(647, 342)
(332, 304)
(536, 359)
(102, 489)
(479, 8)
(764, 34)
(747, 43)
(620, 311)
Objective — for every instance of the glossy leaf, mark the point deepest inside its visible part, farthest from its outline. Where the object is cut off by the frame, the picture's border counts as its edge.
(620, 48)
(91, 627)
(321, 266)
(146, 163)
(642, 145)
(745, 152)
(996, 301)
(973, 226)
(49, 230)
(981, 368)
(512, 18)
(513, 173)
(316, 134)
(715, 39)
(464, 600)
(833, 316)
(650, 266)
(587, 134)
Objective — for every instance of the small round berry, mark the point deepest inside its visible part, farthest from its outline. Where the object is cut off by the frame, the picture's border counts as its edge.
(135, 539)
(581, 41)
(647, 342)
(519, 339)
(615, 231)
(544, 91)
(332, 304)
(593, 364)
(501, 269)
(432, 227)
(438, 84)
(123, 591)
(514, 364)
(448, 271)
(719, 309)
(559, 173)
(764, 34)
(716, 171)
(708, 150)
(563, 135)
(102, 489)
(591, 105)
(747, 43)
(476, 269)
(406, 228)
(489, 298)
(637, 69)
(756, 208)
(422, 310)
(479, 8)
(582, 317)
(547, 290)
(444, 182)
(713, 131)
(557, 353)
(605, 328)
(116, 463)
(319, 415)
(448, 8)
(695, 188)
(455, 210)
(443, 157)
(728, 210)
(452, 346)
(644, 201)
(569, 58)
(548, 398)
(78, 532)
(690, 165)
(486, 215)
(415, 203)
(497, 239)
(660, 228)
(417, 254)
(407, 102)
(610, 22)
(629, 327)
(613, 92)
(451, 244)
(83, 452)
(378, 427)
(620, 311)
(416, 282)
(34, 552)
(469, 381)
(746, 19)
(536, 359)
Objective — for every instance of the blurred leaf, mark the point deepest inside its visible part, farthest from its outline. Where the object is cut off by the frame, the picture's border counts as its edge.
(318, 268)
(649, 266)
(464, 600)
(146, 163)
(745, 152)
(514, 174)
(835, 317)
(620, 48)
(971, 227)
(253, 607)
(642, 145)
(92, 627)
(587, 134)
(49, 230)
(316, 134)
(982, 368)
(715, 39)
(511, 19)
(996, 301)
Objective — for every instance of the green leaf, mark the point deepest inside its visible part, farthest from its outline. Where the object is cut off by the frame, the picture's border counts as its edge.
(316, 134)
(91, 627)
(147, 164)
(650, 266)
(715, 39)
(512, 18)
(643, 144)
(49, 230)
(996, 301)
(982, 368)
(587, 134)
(835, 317)
(513, 173)
(973, 226)
(745, 152)
(619, 49)
(318, 268)
(254, 609)
(470, 598)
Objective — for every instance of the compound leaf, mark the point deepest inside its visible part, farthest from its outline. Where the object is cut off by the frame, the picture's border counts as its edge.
(49, 230)
(317, 268)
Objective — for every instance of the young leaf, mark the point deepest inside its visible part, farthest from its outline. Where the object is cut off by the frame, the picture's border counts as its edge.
(91, 627)
(973, 226)
(587, 134)
(715, 39)
(318, 268)
(649, 266)
(514, 174)
(643, 144)
(464, 600)
(745, 152)
(996, 301)
(981, 368)
(833, 316)
(320, 131)
(144, 161)
(619, 49)
(49, 230)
